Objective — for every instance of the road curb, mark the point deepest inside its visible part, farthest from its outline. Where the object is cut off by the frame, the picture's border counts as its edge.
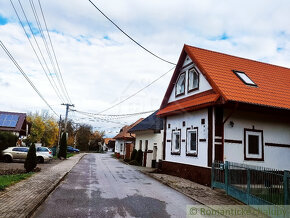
(51, 189)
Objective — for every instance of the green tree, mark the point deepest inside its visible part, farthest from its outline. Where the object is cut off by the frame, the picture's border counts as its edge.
(62, 147)
(83, 137)
(139, 157)
(30, 161)
(96, 140)
(7, 139)
(133, 155)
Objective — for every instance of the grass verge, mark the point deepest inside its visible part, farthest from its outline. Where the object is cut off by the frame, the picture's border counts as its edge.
(7, 180)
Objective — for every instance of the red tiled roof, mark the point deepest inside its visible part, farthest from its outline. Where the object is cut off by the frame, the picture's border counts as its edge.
(272, 81)
(190, 103)
(106, 140)
(124, 134)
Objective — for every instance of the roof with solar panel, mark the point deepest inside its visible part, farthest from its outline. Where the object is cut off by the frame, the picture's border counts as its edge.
(11, 121)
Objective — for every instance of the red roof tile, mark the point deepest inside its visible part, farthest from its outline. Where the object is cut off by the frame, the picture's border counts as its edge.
(124, 134)
(272, 81)
(190, 103)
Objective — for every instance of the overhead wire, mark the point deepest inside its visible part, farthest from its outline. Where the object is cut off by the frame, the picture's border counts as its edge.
(25, 76)
(136, 92)
(53, 51)
(47, 75)
(47, 47)
(119, 28)
(116, 115)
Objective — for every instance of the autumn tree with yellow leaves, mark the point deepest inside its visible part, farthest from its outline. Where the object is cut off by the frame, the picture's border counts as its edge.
(44, 129)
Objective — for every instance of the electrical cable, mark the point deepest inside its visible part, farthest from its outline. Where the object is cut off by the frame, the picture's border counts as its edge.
(136, 92)
(130, 36)
(27, 35)
(46, 47)
(25, 76)
(60, 73)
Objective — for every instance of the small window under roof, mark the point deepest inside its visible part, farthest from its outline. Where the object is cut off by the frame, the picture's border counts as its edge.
(242, 76)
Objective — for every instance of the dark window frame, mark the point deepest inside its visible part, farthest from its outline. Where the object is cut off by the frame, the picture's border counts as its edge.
(195, 154)
(198, 80)
(173, 152)
(245, 145)
(236, 72)
(182, 93)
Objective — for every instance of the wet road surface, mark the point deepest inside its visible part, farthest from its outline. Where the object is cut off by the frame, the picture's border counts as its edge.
(100, 186)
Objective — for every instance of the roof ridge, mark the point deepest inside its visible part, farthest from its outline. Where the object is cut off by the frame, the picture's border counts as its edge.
(235, 56)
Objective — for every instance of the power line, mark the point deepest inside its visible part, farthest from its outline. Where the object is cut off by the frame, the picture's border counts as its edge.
(46, 46)
(98, 118)
(46, 74)
(136, 92)
(116, 115)
(25, 76)
(130, 36)
(60, 73)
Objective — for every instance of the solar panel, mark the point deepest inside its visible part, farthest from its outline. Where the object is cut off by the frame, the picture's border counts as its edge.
(7, 120)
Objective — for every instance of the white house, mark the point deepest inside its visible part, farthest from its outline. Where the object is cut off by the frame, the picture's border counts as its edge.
(149, 138)
(125, 141)
(220, 107)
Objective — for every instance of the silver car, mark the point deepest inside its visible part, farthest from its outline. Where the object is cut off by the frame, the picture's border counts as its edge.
(20, 153)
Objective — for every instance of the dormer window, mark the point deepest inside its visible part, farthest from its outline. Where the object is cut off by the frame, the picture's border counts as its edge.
(193, 80)
(180, 85)
(245, 79)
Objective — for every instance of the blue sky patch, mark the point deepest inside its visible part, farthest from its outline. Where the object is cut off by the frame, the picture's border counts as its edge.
(224, 36)
(3, 20)
(107, 37)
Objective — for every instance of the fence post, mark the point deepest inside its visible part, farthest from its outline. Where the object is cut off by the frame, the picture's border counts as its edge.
(226, 176)
(248, 185)
(285, 186)
(212, 175)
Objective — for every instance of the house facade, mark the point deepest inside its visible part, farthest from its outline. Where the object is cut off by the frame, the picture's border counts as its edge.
(149, 139)
(220, 107)
(125, 141)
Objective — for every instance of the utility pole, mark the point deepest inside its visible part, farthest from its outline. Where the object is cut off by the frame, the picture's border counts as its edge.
(66, 114)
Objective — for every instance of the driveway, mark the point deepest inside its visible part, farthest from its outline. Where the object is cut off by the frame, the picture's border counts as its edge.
(100, 186)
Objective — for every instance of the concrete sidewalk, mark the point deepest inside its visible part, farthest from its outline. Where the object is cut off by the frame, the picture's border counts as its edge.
(21, 199)
(200, 193)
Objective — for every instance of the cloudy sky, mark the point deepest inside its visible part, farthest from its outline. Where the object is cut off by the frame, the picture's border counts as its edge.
(100, 66)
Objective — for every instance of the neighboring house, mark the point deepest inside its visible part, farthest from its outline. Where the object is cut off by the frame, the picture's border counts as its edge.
(125, 141)
(106, 145)
(149, 138)
(15, 123)
(220, 107)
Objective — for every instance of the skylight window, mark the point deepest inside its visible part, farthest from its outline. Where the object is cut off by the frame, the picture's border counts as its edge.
(245, 79)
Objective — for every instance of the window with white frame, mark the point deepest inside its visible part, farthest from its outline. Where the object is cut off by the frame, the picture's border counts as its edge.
(176, 141)
(254, 149)
(140, 144)
(180, 85)
(193, 79)
(192, 141)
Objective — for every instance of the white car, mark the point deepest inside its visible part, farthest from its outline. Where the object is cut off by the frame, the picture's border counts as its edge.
(20, 153)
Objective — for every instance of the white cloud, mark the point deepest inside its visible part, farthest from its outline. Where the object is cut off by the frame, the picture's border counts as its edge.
(101, 66)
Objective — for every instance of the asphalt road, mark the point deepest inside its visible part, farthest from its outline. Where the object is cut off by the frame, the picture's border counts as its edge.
(100, 186)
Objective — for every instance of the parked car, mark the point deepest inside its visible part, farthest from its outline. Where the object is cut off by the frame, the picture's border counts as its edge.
(20, 153)
(71, 149)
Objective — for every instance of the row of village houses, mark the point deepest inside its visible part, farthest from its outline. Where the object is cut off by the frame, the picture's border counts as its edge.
(217, 107)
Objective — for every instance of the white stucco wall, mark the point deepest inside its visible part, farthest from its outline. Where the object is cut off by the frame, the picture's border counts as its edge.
(274, 131)
(191, 119)
(203, 84)
(119, 145)
(154, 139)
